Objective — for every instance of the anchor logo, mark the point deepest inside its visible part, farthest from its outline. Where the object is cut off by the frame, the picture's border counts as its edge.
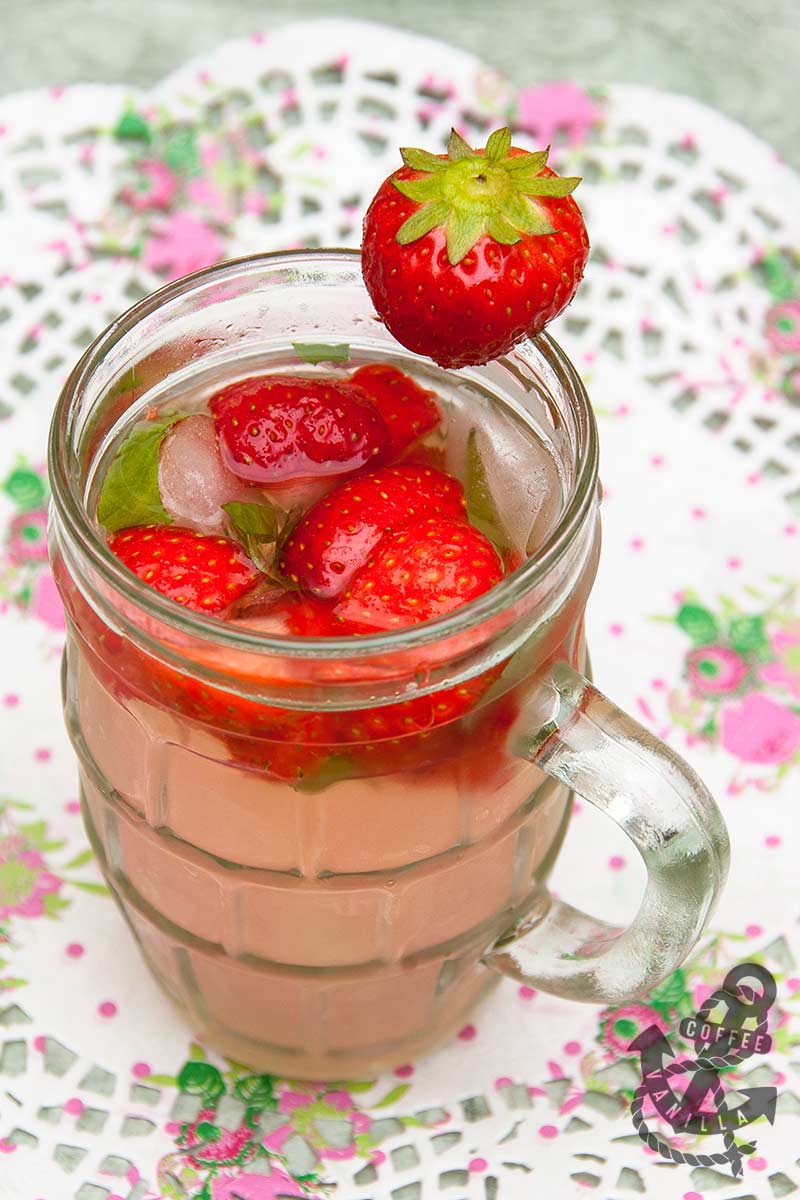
(740, 1033)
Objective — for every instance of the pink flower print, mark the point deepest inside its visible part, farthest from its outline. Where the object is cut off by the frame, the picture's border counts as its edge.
(785, 670)
(228, 1146)
(759, 730)
(783, 326)
(700, 994)
(181, 245)
(210, 153)
(545, 110)
(715, 669)
(290, 1101)
(342, 1101)
(155, 187)
(208, 197)
(337, 1153)
(46, 603)
(442, 89)
(237, 1186)
(619, 1026)
(27, 537)
(24, 880)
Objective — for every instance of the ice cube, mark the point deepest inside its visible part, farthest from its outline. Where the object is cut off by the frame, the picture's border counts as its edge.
(301, 493)
(269, 617)
(521, 472)
(192, 478)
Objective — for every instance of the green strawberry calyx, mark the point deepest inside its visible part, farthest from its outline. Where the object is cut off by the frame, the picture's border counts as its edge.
(475, 192)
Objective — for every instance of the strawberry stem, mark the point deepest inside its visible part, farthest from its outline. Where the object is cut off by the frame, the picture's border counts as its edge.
(471, 193)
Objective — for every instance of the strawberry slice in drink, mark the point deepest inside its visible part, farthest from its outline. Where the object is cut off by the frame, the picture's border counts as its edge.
(203, 573)
(408, 409)
(274, 429)
(336, 536)
(425, 570)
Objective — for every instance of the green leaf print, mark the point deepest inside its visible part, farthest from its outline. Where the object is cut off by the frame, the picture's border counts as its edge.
(698, 623)
(53, 905)
(132, 127)
(79, 860)
(393, 1096)
(94, 889)
(201, 1079)
(747, 635)
(255, 1089)
(36, 833)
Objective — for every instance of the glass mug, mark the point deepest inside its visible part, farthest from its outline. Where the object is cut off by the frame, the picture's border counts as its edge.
(333, 930)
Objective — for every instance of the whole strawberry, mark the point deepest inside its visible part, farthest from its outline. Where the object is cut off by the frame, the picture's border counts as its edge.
(467, 253)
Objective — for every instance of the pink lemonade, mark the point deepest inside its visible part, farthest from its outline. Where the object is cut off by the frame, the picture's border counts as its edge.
(318, 908)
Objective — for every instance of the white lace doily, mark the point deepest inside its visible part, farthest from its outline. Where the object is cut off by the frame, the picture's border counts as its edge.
(687, 331)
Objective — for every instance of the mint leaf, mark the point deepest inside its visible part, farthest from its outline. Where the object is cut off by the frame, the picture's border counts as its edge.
(253, 520)
(259, 527)
(130, 494)
(256, 526)
(481, 506)
(317, 352)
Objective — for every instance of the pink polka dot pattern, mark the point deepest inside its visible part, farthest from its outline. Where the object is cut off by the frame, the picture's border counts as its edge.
(43, 755)
(572, 1048)
(404, 1072)
(548, 1131)
(11, 700)
(141, 1070)
(527, 993)
(107, 1009)
(477, 1164)
(754, 931)
(468, 1033)
(74, 1107)
(616, 862)
(757, 1163)
(772, 840)
(75, 950)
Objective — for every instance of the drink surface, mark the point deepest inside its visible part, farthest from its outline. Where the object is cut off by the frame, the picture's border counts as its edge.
(503, 463)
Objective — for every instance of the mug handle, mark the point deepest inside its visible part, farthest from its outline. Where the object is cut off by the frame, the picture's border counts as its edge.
(582, 739)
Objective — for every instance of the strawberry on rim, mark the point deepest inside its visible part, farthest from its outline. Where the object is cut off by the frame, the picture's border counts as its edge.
(464, 254)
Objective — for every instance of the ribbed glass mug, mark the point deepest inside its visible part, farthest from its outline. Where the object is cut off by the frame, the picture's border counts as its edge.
(333, 926)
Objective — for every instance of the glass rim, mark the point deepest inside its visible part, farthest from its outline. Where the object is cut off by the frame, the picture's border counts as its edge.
(68, 502)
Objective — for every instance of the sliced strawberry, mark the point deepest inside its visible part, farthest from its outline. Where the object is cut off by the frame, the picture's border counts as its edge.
(408, 410)
(203, 573)
(336, 537)
(275, 428)
(423, 571)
